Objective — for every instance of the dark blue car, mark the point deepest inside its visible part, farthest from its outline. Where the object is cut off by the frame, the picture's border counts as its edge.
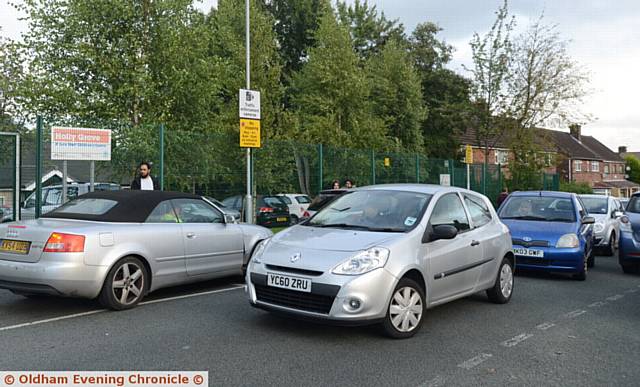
(551, 231)
(629, 250)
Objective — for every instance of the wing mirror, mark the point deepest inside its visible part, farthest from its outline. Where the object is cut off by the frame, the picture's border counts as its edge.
(588, 220)
(618, 214)
(228, 218)
(442, 231)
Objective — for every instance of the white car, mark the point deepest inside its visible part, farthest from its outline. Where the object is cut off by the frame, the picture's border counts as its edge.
(298, 204)
(607, 211)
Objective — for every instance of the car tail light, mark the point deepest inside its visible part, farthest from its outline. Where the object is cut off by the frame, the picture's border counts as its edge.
(265, 209)
(306, 214)
(64, 243)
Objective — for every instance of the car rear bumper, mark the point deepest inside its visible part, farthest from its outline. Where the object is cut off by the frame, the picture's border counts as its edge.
(271, 220)
(60, 274)
(554, 260)
(329, 292)
(629, 250)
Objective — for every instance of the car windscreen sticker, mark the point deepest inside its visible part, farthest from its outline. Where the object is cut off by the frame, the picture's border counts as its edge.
(409, 221)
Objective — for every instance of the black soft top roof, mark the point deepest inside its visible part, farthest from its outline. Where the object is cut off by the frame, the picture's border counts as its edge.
(132, 207)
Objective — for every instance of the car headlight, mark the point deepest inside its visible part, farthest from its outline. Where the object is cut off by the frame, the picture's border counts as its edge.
(568, 241)
(259, 250)
(625, 224)
(598, 227)
(363, 262)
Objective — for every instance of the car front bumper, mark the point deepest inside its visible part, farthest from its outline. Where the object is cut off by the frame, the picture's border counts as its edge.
(63, 274)
(629, 250)
(554, 260)
(329, 298)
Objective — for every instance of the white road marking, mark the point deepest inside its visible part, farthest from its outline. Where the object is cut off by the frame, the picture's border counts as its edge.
(615, 298)
(512, 342)
(92, 312)
(575, 313)
(596, 304)
(546, 325)
(475, 361)
(631, 290)
(435, 382)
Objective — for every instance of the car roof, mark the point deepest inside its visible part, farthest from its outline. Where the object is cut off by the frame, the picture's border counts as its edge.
(132, 206)
(548, 194)
(430, 189)
(594, 196)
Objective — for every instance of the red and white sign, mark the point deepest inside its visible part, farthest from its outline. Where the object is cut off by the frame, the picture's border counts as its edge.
(80, 144)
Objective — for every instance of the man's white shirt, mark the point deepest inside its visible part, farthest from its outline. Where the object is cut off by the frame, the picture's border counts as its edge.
(146, 184)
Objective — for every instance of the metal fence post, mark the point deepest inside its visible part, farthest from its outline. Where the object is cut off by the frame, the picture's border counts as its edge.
(418, 168)
(320, 168)
(161, 161)
(373, 167)
(452, 173)
(38, 176)
(484, 179)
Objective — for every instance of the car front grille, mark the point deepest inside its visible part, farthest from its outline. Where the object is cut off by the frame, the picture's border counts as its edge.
(533, 261)
(309, 302)
(524, 243)
(294, 270)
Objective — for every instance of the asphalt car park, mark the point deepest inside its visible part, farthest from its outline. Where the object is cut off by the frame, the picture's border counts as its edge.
(555, 331)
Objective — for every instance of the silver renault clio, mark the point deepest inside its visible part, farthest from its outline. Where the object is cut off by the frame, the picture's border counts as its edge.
(384, 254)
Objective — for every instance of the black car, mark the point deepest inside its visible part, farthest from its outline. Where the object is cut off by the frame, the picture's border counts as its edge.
(271, 211)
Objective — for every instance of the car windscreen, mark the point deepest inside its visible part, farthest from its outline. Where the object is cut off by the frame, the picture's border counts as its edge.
(320, 201)
(89, 206)
(634, 205)
(539, 208)
(373, 210)
(596, 205)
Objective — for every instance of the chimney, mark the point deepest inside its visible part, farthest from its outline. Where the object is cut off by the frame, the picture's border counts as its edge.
(622, 149)
(576, 131)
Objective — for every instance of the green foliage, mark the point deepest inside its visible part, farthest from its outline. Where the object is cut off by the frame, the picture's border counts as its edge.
(579, 188)
(634, 164)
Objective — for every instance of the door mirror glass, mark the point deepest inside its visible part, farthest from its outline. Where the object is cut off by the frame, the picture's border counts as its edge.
(228, 218)
(588, 220)
(443, 231)
(618, 214)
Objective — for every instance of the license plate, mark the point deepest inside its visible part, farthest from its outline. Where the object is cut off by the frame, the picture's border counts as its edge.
(529, 253)
(16, 247)
(288, 282)
(281, 219)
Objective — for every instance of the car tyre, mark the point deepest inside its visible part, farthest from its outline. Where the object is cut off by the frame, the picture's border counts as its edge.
(406, 310)
(591, 261)
(502, 289)
(611, 248)
(126, 284)
(581, 276)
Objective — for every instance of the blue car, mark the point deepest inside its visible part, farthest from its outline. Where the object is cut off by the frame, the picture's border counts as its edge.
(629, 250)
(551, 231)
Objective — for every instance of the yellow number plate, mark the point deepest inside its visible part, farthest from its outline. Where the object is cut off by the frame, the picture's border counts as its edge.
(281, 219)
(18, 247)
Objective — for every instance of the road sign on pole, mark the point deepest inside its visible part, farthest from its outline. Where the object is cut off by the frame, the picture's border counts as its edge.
(249, 104)
(468, 154)
(249, 133)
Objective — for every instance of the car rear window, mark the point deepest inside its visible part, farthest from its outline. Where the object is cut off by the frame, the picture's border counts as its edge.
(274, 201)
(92, 206)
(321, 201)
(596, 205)
(303, 199)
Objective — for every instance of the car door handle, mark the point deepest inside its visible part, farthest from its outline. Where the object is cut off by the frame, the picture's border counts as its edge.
(475, 243)
(191, 235)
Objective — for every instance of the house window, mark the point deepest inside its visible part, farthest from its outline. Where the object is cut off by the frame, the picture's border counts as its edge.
(502, 157)
(620, 168)
(606, 169)
(577, 165)
(595, 166)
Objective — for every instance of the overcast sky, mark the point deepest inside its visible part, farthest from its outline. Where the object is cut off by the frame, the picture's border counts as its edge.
(604, 34)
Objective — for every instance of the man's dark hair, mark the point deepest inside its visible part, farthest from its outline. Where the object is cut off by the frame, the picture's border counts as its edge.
(348, 180)
(145, 163)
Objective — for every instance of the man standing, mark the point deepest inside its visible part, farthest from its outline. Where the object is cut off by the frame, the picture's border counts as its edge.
(144, 181)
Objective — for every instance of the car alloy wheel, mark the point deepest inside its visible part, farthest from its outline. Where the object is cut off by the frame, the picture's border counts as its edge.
(128, 283)
(406, 309)
(506, 280)
(502, 289)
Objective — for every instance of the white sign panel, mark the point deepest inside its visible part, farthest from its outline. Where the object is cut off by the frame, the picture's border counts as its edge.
(249, 104)
(445, 179)
(80, 144)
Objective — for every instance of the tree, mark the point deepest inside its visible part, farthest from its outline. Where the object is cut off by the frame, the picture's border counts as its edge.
(11, 75)
(492, 55)
(634, 164)
(369, 30)
(396, 95)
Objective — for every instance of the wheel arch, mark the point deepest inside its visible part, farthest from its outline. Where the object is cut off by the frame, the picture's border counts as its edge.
(142, 259)
(417, 276)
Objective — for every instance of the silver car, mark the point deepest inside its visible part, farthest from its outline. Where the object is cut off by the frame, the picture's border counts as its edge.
(120, 245)
(384, 254)
(607, 212)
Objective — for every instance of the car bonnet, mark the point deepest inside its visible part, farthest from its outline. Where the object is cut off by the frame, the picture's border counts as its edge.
(539, 231)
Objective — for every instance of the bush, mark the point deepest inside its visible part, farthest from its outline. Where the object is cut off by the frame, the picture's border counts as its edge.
(579, 188)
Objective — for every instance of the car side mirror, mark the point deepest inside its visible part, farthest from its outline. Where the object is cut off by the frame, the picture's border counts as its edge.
(228, 218)
(588, 220)
(442, 231)
(618, 214)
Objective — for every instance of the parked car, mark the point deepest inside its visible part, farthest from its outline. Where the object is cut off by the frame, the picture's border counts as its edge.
(384, 254)
(229, 211)
(624, 202)
(551, 231)
(6, 214)
(297, 203)
(120, 245)
(324, 197)
(629, 254)
(52, 197)
(271, 211)
(607, 212)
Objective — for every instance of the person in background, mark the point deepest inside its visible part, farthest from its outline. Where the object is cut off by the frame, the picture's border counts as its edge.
(335, 184)
(144, 181)
(503, 195)
(348, 184)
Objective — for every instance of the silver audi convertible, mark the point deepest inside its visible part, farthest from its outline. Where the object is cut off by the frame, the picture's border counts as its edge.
(384, 254)
(120, 245)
